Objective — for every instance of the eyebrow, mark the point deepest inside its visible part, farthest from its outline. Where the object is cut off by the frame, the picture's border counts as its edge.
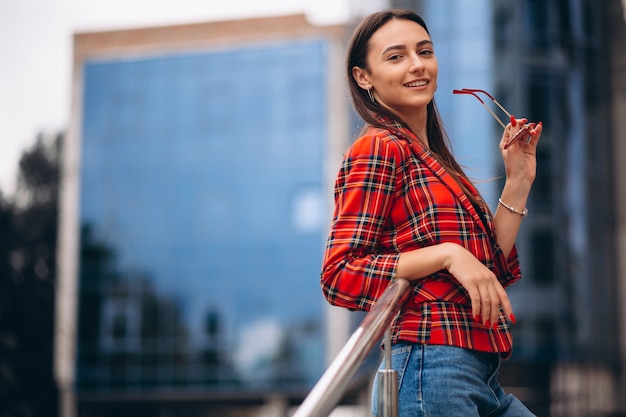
(403, 47)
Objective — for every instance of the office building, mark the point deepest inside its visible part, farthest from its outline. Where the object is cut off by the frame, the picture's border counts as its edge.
(194, 214)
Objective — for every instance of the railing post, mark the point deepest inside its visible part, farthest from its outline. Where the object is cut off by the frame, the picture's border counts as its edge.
(331, 386)
(387, 385)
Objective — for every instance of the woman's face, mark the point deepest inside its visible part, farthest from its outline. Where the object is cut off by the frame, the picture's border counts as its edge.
(402, 68)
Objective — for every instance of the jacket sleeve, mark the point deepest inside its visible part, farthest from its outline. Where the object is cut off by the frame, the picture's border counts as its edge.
(354, 272)
(514, 271)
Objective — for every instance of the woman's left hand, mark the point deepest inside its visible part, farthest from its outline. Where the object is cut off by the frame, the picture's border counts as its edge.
(520, 165)
(520, 154)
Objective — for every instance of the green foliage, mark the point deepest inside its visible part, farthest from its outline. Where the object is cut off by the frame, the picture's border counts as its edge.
(28, 233)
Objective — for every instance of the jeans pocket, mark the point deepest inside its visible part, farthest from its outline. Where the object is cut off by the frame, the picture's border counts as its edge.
(400, 355)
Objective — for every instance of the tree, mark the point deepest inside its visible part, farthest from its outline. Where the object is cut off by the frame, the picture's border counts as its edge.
(27, 279)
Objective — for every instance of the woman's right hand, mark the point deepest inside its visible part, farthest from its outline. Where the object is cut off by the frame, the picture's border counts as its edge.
(485, 291)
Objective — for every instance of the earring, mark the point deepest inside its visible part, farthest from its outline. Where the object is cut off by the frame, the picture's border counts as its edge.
(371, 96)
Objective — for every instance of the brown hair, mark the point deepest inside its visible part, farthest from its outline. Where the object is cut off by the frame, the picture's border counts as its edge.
(358, 49)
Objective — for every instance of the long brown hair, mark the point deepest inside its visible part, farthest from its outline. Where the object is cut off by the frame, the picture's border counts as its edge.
(438, 140)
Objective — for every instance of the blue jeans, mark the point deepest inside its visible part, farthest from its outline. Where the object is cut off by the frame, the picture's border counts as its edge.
(448, 381)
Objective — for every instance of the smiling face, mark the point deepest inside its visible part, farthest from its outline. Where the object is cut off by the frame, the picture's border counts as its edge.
(401, 69)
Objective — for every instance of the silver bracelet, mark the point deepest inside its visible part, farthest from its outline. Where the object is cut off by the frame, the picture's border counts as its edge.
(522, 213)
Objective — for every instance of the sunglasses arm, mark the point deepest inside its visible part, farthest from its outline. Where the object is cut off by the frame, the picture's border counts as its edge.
(481, 102)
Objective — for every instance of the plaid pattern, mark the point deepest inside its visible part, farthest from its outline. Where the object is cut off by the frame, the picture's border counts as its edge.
(392, 196)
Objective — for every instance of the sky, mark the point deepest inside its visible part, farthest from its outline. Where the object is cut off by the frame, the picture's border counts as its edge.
(36, 52)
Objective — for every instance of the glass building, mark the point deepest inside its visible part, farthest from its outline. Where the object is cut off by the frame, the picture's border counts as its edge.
(201, 214)
(201, 210)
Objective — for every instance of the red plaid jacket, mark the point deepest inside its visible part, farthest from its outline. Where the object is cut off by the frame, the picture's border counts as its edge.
(392, 196)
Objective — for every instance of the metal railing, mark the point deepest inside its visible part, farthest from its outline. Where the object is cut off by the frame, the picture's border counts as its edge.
(329, 389)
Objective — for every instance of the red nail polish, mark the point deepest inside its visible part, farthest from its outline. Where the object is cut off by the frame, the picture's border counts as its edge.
(477, 318)
(540, 124)
(495, 326)
(512, 317)
(488, 324)
(513, 121)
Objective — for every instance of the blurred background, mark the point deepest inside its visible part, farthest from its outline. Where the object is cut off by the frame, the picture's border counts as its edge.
(166, 179)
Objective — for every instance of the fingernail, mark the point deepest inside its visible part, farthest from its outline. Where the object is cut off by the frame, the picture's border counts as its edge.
(488, 324)
(524, 120)
(495, 326)
(477, 318)
(513, 121)
(540, 124)
(512, 317)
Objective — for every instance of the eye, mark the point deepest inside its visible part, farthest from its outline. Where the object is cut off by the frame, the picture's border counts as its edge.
(427, 52)
(394, 57)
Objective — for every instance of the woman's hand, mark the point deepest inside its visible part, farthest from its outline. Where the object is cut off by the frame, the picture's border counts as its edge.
(520, 155)
(520, 162)
(485, 291)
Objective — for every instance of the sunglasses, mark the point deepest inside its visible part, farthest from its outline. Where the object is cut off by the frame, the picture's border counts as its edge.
(525, 130)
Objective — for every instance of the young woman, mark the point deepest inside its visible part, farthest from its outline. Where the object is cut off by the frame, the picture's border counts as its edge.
(405, 209)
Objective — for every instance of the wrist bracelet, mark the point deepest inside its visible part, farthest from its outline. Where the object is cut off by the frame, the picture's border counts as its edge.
(522, 213)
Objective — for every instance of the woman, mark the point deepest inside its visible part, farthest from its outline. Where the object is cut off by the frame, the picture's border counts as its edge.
(405, 209)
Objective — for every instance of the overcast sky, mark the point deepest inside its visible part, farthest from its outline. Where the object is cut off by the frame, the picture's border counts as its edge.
(35, 52)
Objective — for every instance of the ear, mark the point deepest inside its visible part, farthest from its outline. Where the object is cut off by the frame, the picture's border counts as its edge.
(361, 77)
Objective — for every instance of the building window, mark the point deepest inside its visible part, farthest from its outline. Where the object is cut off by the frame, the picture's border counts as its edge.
(542, 248)
(536, 27)
(503, 30)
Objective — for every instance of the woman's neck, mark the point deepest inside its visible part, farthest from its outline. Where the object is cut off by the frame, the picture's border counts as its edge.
(417, 124)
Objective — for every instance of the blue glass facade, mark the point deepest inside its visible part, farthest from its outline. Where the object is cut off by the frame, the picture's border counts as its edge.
(461, 32)
(202, 219)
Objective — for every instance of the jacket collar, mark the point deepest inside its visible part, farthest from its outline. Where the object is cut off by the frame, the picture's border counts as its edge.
(430, 161)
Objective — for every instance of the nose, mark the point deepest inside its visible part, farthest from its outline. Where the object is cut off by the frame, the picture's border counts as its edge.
(417, 64)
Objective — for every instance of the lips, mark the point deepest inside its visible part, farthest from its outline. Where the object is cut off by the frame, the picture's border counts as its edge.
(417, 83)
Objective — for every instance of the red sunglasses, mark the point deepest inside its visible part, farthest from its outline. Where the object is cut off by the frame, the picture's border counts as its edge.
(520, 134)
